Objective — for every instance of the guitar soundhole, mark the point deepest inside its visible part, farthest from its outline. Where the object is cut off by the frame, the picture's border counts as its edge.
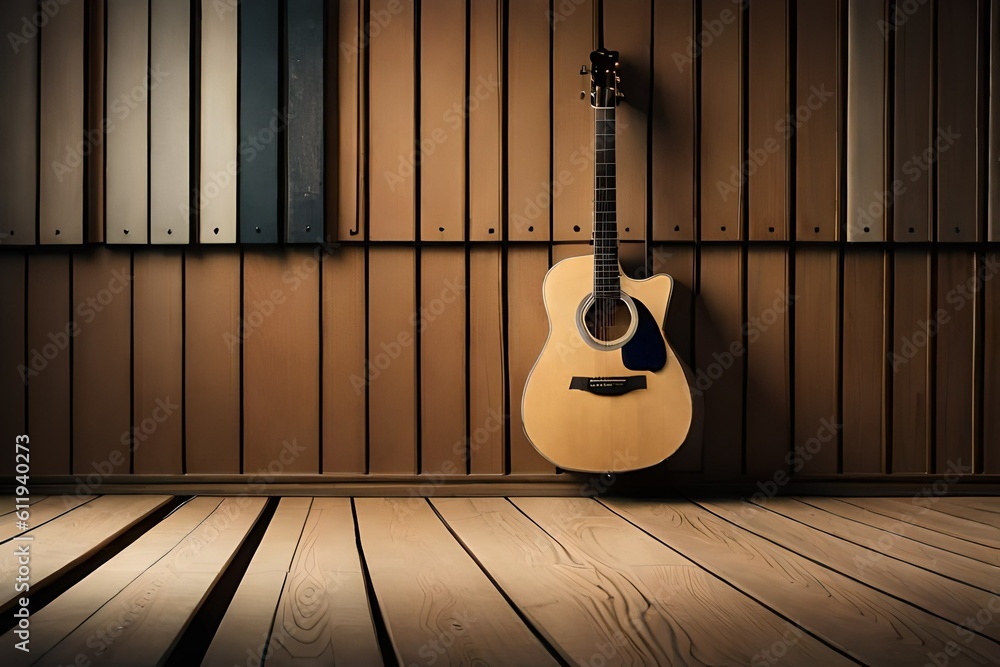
(608, 319)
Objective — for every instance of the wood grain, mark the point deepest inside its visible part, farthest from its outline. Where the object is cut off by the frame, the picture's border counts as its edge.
(575, 570)
(914, 531)
(281, 361)
(818, 130)
(19, 131)
(43, 511)
(212, 351)
(956, 376)
(61, 110)
(991, 369)
(392, 354)
(864, 350)
(922, 512)
(987, 512)
(417, 566)
(768, 129)
(485, 150)
(392, 149)
(866, 111)
(913, 128)
(993, 198)
(817, 360)
(323, 615)
(885, 544)
(13, 365)
(487, 401)
(50, 332)
(158, 363)
(958, 137)
(720, 358)
(910, 362)
(96, 38)
(344, 368)
(867, 624)
(952, 600)
(722, 103)
(674, 121)
(249, 618)
(344, 150)
(527, 328)
(102, 410)
(443, 361)
(92, 525)
(61, 616)
(170, 122)
(530, 202)
(259, 108)
(215, 197)
(8, 503)
(628, 26)
(444, 114)
(148, 615)
(768, 390)
(304, 148)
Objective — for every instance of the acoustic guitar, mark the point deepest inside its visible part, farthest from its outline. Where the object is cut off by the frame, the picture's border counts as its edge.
(607, 393)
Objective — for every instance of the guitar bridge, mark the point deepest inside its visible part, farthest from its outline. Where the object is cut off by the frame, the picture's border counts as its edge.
(608, 386)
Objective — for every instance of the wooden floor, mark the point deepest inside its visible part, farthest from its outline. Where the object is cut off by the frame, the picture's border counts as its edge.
(150, 580)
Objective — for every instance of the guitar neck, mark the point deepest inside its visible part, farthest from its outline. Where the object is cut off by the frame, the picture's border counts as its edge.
(606, 278)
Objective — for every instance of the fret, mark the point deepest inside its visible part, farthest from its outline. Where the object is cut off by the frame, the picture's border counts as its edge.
(607, 275)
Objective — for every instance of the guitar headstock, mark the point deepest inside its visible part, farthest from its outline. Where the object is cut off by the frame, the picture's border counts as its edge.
(604, 79)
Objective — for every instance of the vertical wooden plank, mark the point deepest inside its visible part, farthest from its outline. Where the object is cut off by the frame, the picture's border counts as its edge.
(393, 153)
(441, 323)
(955, 356)
(991, 370)
(95, 121)
(958, 137)
(720, 358)
(392, 380)
(304, 148)
(993, 204)
(212, 335)
(527, 328)
(529, 196)
(170, 122)
(627, 28)
(342, 147)
(722, 101)
(444, 110)
(913, 128)
(866, 87)
(672, 115)
(19, 131)
(344, 397)
(280, 361)
(817, 359)
(61, 147)
(818, 128)
(260, 60)
(50, 333)
(768, 127)
(486, 354)
(157, 329)
(485, 75)
(13, 365)
(102, 409)
(768, 361)
(864, 348)
(910, 362)
(215, 198)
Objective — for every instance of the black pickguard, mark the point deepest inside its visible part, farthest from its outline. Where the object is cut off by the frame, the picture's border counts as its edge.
(647, 350)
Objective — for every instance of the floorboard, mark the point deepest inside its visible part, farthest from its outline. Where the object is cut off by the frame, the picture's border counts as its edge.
(92, 526)
(143, 622)
(436, 603)
(7, 503)
(987, 514)
(921, 511)
(40, 513)
(869, 625)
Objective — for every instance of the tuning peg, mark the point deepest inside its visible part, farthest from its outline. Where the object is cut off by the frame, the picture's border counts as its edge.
(583, 70)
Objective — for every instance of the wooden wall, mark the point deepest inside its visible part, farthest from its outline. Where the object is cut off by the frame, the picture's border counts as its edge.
(818, 178)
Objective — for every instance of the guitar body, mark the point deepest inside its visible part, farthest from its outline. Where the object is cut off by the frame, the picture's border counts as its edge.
(608, 423)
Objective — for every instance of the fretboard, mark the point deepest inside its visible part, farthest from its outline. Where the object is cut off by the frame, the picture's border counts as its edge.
(606, 278)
